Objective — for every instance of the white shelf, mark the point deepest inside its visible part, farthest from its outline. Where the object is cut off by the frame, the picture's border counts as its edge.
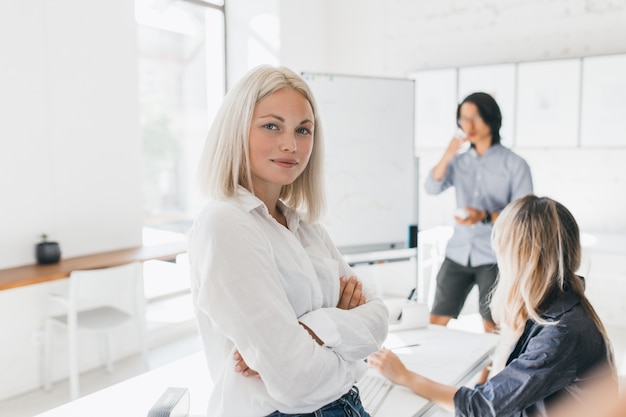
(380, 256)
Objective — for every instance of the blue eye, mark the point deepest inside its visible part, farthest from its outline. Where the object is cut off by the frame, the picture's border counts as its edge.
(303, 131)
(270, 126)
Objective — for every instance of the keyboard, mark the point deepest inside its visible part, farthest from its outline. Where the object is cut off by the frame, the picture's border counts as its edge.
(373, 389)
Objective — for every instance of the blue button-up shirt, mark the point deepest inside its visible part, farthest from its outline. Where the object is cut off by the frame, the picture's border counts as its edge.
(546, 365)
(488, 182)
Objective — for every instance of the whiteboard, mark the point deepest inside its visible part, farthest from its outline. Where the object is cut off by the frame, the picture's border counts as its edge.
(371, 174)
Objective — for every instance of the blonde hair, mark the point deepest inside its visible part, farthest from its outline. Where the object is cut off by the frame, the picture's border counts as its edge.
(537, 244)
(225, 162)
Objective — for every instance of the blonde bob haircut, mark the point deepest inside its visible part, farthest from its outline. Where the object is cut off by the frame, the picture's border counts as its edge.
(537, 244)
(225, 162)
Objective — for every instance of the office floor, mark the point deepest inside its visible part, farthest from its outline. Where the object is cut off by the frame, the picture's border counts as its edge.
(35, 402)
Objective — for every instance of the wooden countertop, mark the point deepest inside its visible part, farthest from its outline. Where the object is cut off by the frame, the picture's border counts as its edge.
(34, 274)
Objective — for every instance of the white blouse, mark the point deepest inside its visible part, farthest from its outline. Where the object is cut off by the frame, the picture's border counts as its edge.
(252, 281)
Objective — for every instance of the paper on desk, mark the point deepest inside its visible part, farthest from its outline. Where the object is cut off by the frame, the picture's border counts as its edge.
(439, 354)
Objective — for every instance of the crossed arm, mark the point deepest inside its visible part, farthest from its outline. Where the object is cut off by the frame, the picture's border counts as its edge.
(350, 296)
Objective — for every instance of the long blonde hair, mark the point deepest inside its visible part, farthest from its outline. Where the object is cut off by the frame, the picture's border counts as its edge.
(225, 161)
(537, 244)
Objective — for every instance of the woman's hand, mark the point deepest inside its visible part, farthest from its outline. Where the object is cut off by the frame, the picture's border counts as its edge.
(390, 366)
(387, 363)
(350, 293)
(312, 334)
(242, 367)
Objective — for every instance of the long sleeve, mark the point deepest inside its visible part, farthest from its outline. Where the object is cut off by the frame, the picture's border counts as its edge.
(432, 186)
(545, 368)
(547, 362)
(252, 279)
(354, 334)
(522, 182)
(488, 182)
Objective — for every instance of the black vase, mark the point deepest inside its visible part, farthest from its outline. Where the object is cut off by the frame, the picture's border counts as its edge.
(48, 253)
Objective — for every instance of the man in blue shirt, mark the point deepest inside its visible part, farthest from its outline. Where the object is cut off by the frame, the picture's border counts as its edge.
(486, 178)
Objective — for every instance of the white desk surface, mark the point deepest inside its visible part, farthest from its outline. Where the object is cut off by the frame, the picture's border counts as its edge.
(135, 396)
(445, 355)
(449, 356)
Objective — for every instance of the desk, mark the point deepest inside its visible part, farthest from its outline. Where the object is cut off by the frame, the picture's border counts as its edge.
(446, 355)
(135, 396)
(34, 274)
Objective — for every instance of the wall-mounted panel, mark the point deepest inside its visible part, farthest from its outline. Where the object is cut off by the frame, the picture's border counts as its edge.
(548, 100)
(435, 107)
(497, 81)
(603, 109)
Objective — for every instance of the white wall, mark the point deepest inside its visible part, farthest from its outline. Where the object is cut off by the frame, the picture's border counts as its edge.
(70, 164)
(252, 36)
(395, 38)
(392, 38)
(258, 30)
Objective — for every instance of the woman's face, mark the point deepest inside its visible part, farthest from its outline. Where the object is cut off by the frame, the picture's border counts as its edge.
(281, 139)
(473, 125)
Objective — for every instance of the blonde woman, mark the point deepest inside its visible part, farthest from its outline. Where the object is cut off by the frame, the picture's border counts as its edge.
(556, 344)
(284, 323)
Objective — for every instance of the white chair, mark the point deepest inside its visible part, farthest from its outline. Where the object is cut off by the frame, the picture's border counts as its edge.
(431, 251)
(182, 260)
(168, 292)
(98, 301)
(587, 242)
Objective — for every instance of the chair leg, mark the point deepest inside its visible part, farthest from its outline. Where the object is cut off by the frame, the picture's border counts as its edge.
(47, 357)
(73, 361)
(141, 332)
(107, 351)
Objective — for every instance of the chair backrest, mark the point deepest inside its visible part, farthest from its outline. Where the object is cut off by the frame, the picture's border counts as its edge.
(182, 260)
(120, 287)
(433, 242)
(431, 251)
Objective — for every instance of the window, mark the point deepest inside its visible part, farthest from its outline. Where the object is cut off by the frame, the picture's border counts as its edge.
(182, 83)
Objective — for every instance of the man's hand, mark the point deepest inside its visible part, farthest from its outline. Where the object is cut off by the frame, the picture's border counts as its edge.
(350, 293)
(473, 216)
(454, 146)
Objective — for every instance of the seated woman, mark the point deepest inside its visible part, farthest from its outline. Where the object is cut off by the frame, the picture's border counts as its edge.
(554, 343)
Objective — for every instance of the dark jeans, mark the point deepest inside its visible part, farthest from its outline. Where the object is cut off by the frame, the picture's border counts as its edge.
(347, 406)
